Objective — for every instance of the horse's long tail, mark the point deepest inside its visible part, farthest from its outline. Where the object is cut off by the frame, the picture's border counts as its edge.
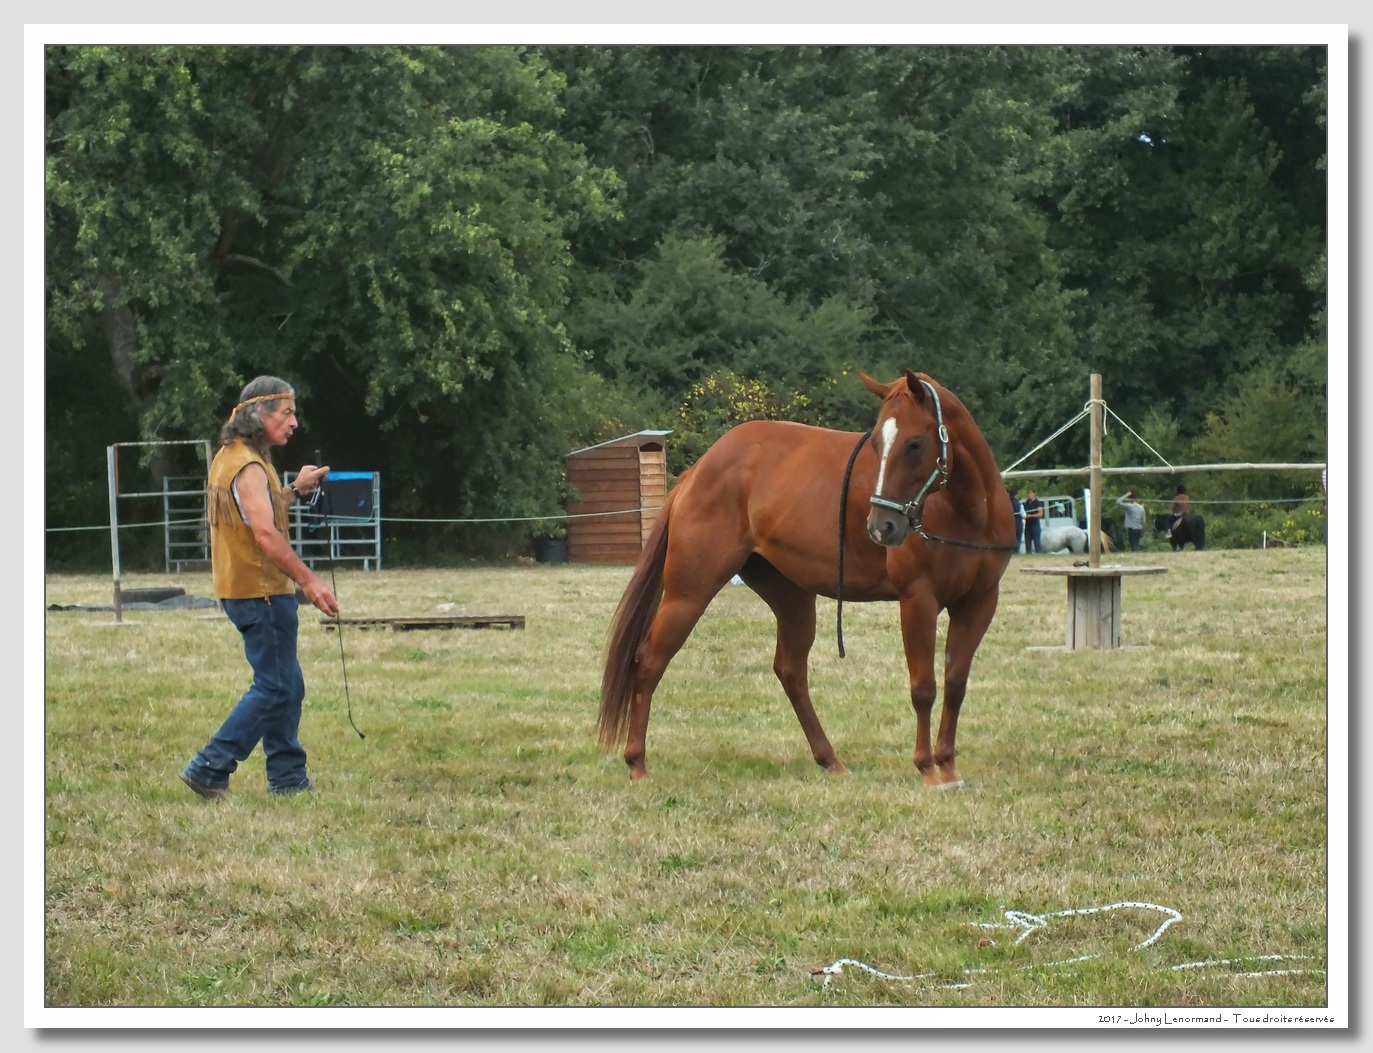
(633, 617)
(1107, 545)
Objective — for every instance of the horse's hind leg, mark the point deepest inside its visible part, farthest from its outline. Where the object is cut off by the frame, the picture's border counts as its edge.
(794, 608)
(677, 616)
(697, 568)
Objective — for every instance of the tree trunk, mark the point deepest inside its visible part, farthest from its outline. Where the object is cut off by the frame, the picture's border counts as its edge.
(121, 337)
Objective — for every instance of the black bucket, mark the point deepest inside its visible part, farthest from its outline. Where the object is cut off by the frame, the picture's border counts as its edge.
(552, 551)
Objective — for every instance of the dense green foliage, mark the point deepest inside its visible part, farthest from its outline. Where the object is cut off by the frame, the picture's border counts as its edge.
(471, 260)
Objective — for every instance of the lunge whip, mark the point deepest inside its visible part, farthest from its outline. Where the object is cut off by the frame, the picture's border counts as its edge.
(326, 503)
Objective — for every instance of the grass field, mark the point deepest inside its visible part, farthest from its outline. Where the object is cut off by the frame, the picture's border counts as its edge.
(477, 849)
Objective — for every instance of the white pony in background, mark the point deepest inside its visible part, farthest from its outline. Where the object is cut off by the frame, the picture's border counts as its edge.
(1070, 539)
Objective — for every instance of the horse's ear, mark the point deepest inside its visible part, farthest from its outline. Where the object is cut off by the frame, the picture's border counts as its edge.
(913, 381)
(875, 386)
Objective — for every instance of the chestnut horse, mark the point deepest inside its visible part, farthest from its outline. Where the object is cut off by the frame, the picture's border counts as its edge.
(926, 522)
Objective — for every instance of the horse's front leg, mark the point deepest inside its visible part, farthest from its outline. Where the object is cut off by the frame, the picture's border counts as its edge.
(918, 617)
(794, 608)
(968, 623)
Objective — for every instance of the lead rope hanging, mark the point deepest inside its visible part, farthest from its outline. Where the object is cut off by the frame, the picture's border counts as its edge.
(843, 522)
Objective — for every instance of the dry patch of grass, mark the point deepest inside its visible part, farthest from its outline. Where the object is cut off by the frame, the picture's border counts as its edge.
(476, 849)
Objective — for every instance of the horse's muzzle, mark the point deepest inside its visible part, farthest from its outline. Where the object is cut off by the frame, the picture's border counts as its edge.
(888, 527)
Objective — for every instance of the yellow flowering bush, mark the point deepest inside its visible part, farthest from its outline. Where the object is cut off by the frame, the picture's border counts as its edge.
(1253, 526)
(720, 401)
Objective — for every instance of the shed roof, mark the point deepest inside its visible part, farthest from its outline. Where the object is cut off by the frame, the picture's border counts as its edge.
(638, 438)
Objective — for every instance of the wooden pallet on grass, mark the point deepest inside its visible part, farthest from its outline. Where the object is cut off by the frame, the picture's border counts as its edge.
(440, 621)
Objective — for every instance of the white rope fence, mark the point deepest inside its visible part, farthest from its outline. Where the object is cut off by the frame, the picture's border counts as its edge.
(1167, 469)
(1007, 473)
(1027, 924)
(1081, 416)
(559, 516)
(1107, 411)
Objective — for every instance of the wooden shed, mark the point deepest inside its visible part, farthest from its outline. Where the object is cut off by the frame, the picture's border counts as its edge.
(619, 485)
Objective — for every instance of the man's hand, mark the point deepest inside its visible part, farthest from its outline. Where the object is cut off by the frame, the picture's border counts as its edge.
(320, 595)
(310, 476)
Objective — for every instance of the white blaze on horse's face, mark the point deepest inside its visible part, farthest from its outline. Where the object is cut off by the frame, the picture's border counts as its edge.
(885, 525)
(888, 443)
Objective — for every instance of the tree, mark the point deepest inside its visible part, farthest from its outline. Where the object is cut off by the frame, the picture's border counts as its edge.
(1265, 420)
(969, 287)
(882, 186)
(1191, 217)
(508, 253)
(753, 146)
(400, 254)
(689, 313)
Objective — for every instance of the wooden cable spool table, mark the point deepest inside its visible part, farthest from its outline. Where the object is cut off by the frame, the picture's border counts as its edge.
(1093, 618)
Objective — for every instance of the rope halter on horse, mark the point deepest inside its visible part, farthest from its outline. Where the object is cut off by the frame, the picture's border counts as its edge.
(913, 509)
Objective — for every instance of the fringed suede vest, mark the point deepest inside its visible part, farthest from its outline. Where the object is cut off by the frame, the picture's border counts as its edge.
(240, 569)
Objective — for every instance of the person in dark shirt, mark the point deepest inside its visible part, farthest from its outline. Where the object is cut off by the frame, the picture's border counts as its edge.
(1034, 519)
(1019, 513)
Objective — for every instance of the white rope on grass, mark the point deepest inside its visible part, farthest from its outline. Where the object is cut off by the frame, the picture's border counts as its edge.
(1028, 923)
(1256, 958)
(1019, 919)
(831, 971)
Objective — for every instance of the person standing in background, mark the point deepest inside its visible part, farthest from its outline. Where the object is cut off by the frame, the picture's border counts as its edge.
(1182, 504)
(1019, 514)
(1034, 519)
(1134, 518)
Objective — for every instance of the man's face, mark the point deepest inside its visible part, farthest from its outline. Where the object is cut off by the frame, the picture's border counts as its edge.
(279, 421)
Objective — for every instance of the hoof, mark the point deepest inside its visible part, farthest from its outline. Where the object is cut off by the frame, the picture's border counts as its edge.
(837, 768)
(957, 784)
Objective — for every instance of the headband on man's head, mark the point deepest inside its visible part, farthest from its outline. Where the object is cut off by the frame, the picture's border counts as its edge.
(257, 398)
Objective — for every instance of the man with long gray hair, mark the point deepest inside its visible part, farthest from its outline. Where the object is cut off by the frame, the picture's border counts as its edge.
(255, 572)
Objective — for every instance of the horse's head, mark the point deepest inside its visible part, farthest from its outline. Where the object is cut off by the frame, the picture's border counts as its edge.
(912, 447)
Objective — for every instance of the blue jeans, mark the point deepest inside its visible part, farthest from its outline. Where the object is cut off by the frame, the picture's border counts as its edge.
(269, 711)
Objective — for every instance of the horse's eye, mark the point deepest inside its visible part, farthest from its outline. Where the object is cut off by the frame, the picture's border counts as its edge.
(915, 446)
